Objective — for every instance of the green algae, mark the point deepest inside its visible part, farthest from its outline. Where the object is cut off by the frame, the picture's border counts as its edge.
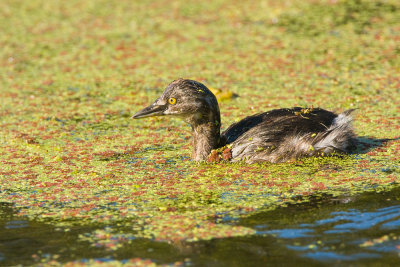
(322, 18)
(73, 74)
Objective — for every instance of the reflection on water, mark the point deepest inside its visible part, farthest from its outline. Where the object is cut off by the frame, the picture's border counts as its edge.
(360, 230)
(352, 228)
(344, 232)
(16, 224)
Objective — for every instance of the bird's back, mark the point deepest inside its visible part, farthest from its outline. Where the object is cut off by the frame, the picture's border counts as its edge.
(283, 134)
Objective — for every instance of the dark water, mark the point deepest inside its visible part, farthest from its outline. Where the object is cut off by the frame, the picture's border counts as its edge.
(362, 230)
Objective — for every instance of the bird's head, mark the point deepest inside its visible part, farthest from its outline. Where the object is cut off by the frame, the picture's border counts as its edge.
(188, 99)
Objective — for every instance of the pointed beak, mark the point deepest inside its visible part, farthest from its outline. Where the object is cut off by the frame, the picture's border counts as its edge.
(150, 111)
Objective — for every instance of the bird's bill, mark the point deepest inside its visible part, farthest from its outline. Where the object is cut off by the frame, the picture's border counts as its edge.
(150, 111)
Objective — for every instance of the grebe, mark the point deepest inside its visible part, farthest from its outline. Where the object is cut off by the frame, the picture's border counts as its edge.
(275, 136)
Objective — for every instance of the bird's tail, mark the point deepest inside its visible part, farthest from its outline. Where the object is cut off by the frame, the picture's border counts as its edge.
(339, 137)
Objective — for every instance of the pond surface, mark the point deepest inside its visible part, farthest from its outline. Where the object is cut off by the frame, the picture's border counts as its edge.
(357, 230)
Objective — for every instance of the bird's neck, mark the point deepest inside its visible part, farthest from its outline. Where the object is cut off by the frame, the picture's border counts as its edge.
(205, 138)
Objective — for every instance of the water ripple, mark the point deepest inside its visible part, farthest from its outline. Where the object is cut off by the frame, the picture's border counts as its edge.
(345, 235)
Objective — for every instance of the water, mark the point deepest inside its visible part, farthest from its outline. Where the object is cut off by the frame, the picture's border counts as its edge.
(363, 230)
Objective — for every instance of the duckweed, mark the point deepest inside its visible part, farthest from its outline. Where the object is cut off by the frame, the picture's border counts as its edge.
(74, 72)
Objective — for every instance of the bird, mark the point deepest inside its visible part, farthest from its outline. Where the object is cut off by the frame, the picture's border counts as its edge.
(275, 136)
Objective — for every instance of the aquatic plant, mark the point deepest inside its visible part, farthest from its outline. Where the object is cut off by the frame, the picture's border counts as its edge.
(74, 72)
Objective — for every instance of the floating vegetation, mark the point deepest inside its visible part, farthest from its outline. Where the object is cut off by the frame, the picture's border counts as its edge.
(322, 18)
(73, 73)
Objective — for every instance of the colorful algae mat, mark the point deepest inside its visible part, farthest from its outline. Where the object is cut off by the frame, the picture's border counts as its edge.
(161, 194)
(70, 154)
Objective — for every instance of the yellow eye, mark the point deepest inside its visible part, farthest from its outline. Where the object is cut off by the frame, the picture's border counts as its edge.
(172, 101)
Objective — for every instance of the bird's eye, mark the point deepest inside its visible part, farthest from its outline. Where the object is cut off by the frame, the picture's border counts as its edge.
(172, 101)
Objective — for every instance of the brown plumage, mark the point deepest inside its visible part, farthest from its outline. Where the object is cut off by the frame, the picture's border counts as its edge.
(274, 136)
